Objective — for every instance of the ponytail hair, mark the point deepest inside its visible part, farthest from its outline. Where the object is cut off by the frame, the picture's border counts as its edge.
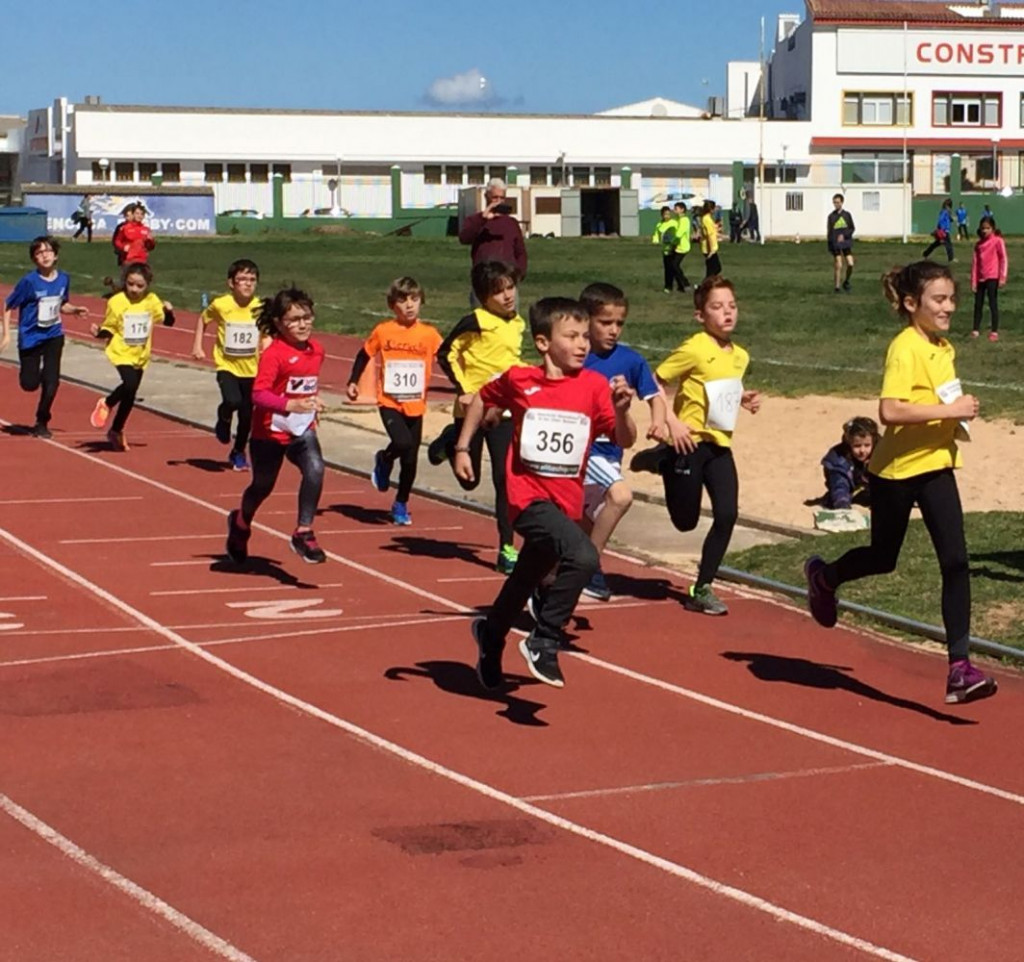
(910, 281)
(274, 308)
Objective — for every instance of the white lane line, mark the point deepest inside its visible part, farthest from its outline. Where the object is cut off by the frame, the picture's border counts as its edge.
(24, 598)
(446, 581)
(176, 564)
(121, 540)
(387, 529)
(133, 890)
(69, 500)
(242, 639)
(245, 589)
(799, 730)
(675, 869)
(706, 782)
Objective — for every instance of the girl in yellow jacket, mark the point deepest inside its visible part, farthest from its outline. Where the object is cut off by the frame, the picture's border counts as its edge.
(128, 331)
(709, 240)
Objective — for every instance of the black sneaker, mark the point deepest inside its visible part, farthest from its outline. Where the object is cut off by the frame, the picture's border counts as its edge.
(542, 662)
(651, 459)
(305, 546)
(222, 430)
(488, 662)
(237, 547)
(42, 431)
(846, 286)
(821, 599)
(437, 450)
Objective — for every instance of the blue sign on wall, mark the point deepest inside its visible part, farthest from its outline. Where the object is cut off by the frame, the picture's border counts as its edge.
(182, 215)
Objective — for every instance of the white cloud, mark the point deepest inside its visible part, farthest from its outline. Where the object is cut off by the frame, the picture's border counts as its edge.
(471, 88)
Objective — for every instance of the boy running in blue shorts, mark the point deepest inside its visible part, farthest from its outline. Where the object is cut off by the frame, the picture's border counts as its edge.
(607, 497)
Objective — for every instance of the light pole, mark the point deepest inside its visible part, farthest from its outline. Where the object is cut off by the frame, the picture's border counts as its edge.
(104, 167)
(995, 163)
(785, 147)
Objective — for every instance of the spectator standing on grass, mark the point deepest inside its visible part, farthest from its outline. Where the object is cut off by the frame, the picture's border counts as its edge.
(943, 231)
(682, 248)
(83, 217)
(495, 235)
(709, 240)
(839, 229)
(989, 269)
(925, 413)
(962, 221)
(752, 225)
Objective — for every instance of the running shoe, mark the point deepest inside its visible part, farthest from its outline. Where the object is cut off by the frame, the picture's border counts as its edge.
(966, 683)
(222, 430)
(598, 587)
(238, 461)
(100, 413)
(488, 662)
(542, 661)
(380, 476)
(40, 430)
(701, 598)
(437, 450)
(993, 335)
(118, 441)
(305, 546)
(846, 286)
(237, 547)
(821, 599)
(975, 334)
(507, 558)
(650, 459)
(400, 513)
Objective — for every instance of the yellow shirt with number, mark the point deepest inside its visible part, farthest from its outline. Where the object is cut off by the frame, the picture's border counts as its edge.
(238, 338)
(698, 360)
(131, 325)
(915, 367)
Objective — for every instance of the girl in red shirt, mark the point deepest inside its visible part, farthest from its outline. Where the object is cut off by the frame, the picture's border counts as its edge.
(989, 269)
(286, 401)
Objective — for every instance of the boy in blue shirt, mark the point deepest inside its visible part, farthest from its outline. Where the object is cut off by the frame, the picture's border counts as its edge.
(40, 297)
(607, 497)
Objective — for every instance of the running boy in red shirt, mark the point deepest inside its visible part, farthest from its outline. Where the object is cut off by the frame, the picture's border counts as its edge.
(557, 410)
(406, 346)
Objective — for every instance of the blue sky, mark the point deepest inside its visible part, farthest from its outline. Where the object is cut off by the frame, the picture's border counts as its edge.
(585, 56)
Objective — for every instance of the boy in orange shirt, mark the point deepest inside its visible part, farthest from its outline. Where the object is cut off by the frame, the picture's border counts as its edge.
(406, 346)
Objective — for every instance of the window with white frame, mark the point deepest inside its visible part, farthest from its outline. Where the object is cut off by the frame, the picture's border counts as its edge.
(877, 109)
(951, 109)
(875, 167)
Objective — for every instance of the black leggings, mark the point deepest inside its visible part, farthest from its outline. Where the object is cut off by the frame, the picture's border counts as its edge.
(937, 496)
(236, 398)
(123, 396)
(267, 457)
(685, 476)
(40, 366)
(990, 288)
(936, 244)
(712, 265)
(498, 440)
(673, 269)
(405, 433)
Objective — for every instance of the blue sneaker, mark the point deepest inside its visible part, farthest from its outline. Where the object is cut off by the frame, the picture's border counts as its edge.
(380, 476)
(400, 513)
(238, 461)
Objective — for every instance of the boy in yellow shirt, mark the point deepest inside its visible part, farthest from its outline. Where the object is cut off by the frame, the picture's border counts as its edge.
(235, 354)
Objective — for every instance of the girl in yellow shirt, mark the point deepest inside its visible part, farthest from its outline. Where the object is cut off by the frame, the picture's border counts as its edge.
(925, 412)
(709, 240)
(128, 331)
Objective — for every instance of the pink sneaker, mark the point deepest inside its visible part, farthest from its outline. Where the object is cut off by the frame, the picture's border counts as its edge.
(993, 335)
(967, 683)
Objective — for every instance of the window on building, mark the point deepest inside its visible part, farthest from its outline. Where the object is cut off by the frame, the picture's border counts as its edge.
(213, 173)
(453, 174)
(782, 174)
(878, 109)
(581, 176)
(602, 176)
(146, 171)
(285, 170)
(124, 171)
(259, 173)
(331, 169)
(475, 174)
(497, 170)
(967, 110)
(539, 175)
(99, 173)
(548, 205)
(171, 172)
(558, 178)
(875, 167)
(794, 200)
(431, 174)
(236, 173)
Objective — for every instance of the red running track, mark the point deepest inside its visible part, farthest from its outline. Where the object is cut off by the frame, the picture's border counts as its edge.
(296, 762)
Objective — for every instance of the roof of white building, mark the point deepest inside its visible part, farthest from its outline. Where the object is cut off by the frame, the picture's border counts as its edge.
(655, 107)
(915, 12)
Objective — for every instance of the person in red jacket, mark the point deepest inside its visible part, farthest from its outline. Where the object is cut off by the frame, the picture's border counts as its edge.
(989, 268)
(495, 235)
(134, 240)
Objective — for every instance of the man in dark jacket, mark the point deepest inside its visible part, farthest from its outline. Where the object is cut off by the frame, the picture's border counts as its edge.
(494, 233)
(839, 229)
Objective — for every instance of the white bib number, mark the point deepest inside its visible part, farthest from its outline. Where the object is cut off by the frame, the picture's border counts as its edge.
(405, 380)
(136, 327)
(48, 311)
(724, 396)
(296, 423)
(947, 394)
(240, 339)
(554, 443)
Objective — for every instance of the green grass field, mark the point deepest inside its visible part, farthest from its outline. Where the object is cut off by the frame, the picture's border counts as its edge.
(802, 338)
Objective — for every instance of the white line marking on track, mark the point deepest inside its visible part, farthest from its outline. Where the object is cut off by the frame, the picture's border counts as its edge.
(176, 564)
(162, 537)
(68, 500)
(387, 529)
(245, 589)
(705, 782)
(458, 581)
(135, 892)
(25, 598)
(675, 869)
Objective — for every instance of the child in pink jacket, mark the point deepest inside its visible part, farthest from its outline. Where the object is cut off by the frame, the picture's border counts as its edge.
(988, 273)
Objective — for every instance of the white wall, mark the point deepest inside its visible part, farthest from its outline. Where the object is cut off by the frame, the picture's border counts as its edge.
(892, 200)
